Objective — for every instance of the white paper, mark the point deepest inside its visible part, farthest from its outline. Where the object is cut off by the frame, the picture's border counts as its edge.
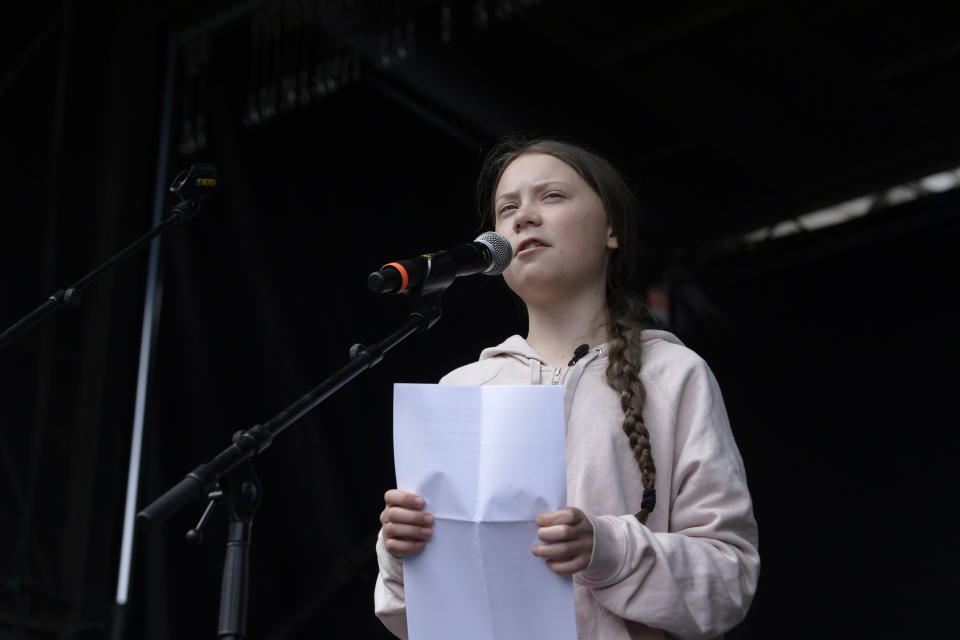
(487, 460)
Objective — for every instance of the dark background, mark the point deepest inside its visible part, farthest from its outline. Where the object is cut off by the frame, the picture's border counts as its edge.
(350, 133)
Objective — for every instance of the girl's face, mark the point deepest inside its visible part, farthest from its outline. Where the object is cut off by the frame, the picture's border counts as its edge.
(556, 223)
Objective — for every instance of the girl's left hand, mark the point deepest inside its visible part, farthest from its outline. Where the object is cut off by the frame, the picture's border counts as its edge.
(568, 535)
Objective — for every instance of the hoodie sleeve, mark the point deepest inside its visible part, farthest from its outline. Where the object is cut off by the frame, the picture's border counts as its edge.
(696, 580)
(388, 598)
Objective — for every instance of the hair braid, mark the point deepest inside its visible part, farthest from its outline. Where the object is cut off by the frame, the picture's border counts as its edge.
(628, 317)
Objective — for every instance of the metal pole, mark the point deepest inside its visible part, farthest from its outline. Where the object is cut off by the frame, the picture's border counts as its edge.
(148, 338)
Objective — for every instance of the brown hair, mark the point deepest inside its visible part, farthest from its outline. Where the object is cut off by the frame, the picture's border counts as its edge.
(628, 316)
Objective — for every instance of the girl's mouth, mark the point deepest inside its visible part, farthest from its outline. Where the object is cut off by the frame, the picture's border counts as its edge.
(530, 245)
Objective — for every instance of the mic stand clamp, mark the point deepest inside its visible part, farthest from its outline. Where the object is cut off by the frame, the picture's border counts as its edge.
(242, 494)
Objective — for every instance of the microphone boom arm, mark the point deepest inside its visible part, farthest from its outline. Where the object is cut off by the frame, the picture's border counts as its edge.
(257, 438)
(192, 186)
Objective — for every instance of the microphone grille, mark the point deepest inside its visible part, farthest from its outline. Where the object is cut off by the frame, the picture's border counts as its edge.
(500, 249)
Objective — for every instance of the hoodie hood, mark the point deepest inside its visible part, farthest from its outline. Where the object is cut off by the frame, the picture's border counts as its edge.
(516, 355)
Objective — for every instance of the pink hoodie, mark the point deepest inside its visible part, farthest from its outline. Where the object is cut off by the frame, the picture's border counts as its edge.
(692, 570)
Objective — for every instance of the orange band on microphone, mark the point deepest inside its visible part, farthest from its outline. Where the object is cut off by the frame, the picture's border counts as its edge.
(404, 278)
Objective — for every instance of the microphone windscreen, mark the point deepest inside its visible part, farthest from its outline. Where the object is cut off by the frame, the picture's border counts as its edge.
(500, 249)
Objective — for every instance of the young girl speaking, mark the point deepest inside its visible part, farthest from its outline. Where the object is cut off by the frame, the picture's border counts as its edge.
(659, 533)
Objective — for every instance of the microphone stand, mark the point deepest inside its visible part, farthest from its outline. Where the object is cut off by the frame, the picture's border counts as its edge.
(233, 464)
(192, 186)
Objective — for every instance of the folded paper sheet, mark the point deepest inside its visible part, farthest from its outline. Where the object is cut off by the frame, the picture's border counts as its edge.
(487, 460)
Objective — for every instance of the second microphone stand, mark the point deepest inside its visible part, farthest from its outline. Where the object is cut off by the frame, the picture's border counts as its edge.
(192, 186)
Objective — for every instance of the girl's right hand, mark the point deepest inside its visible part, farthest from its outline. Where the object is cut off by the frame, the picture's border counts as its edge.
(406, 527)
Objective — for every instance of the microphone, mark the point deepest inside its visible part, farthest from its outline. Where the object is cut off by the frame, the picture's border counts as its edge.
(489, 254)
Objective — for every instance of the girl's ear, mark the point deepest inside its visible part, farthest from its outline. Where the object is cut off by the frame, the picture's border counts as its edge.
(612, 242)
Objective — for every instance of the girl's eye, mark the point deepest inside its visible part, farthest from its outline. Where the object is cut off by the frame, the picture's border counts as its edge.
(505, 208)
(554, 194)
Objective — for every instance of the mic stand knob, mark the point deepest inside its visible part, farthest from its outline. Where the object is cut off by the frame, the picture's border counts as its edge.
(194, 536)
(356, 349)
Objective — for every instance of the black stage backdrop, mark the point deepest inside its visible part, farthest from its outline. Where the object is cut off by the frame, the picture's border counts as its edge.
(833, 348)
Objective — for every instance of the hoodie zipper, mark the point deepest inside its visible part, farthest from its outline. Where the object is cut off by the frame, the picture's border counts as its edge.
(556, 375)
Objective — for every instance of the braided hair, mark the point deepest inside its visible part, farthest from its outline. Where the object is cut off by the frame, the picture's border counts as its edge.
(627, 315)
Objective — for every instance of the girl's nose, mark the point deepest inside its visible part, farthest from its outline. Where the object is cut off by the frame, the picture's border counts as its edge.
(524, 216)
